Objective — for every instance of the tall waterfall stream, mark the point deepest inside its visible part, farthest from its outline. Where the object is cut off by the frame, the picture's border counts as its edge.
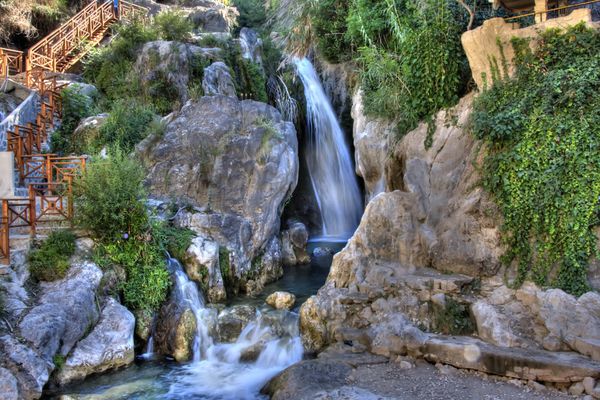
(329, 160)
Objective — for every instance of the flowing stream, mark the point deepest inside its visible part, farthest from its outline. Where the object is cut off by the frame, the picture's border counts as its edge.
(329, 160)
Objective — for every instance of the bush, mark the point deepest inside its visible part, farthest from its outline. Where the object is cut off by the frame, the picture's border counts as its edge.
(252, 13)
(76, 106)
(330, 30)
(109, 198)
(172, 239)
(50, 261)
(173, 25)
(128, 123)
(148, 282)
(543, 164)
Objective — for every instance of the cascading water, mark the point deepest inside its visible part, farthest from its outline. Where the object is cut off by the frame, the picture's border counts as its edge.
(222, 370)
(328, 159)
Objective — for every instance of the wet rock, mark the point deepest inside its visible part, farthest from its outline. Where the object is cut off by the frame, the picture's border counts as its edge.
(235, 160)
(217, 80)
(30, 370)
(267, 268)
(202, 266)
(8, 386)
(65, 311)
(143, 324)
(294, 240)
(175, 330)
(322, 252)
(232, 321)
(108, 346)
(281, 300)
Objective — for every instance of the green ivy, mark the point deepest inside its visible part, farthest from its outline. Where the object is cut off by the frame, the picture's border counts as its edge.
(543, 165)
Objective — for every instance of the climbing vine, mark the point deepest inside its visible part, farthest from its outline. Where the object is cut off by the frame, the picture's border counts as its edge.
(543, 165)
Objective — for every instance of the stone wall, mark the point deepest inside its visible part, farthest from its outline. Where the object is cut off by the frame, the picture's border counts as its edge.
(488, 45)
(25, 112)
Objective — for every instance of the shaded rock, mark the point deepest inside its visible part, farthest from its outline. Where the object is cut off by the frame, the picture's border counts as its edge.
(237, 162)
(8, 386)
(202, 265)
(281, 300)
(215, 17)
(294, 240)
(322, 252)
(251, 45)
(143, 324)
(88, 131)
(65, 311)
(266, 268)
(218, 80)
(30, 370)
(175, 329)
(108, 346)
(232, 321)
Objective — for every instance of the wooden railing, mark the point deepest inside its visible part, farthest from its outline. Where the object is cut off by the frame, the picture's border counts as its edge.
(11, 62)
(539, 16)
(66, 45)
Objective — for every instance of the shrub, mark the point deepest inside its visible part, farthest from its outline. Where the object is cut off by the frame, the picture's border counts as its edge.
(148, 282)
(76, 106)
(109, 198)
(330, 29)
(543, 164)
(128, 123)
(173, 239)
(50, 261)
(252, 13)
(173, 25)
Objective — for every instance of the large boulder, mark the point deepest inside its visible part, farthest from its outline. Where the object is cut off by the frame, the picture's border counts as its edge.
(64, 311)
(211, 16)
(202, 264)
(237, 163)
(171, 63)
(231, 321)
(30, 371)
(175, 330)
(108, 346)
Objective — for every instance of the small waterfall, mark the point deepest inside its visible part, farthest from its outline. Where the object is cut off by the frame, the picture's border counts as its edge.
(226, 370)
(329, 161)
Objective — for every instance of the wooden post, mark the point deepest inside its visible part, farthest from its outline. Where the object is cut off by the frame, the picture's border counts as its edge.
(5, 233)
(32, 210)
(48, 169)
(540, 7)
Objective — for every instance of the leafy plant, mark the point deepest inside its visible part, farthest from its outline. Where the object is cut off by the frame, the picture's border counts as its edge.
(50, 260)
(128, 123)
(173, 239)
(109, 198)
(173, 25)
(76, 106)
(543, 162)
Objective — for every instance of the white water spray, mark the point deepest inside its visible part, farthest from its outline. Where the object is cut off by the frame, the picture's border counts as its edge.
(329, 161)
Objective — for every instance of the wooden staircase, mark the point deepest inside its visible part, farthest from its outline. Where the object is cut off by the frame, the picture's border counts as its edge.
(47, 178)
(64, 47)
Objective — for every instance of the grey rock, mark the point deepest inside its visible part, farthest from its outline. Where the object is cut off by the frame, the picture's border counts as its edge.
(237, 161)
(213, 18)
(30, 370)
(65, 311)
(294, 240)
(218, 80)
(251, 45)
(231, 321)
(108, 346)
(588, 384)
(88, 130)
(8, 386)
(202, 265)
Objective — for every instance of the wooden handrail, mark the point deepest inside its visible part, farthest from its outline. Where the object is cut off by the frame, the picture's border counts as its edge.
(545, 12)
(11, 62)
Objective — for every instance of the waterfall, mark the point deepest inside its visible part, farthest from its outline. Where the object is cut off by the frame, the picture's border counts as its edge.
(328, 159)
(224, 370)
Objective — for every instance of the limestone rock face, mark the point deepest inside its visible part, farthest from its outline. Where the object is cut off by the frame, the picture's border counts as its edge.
(108, 346)
(64, 312)
(371, 146)
(171, 62)
(218, 80)
(237, 163)
(281, 300)
(8, 386)
(294, 240)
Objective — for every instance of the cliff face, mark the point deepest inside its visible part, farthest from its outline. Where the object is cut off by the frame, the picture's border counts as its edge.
(426, 258)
